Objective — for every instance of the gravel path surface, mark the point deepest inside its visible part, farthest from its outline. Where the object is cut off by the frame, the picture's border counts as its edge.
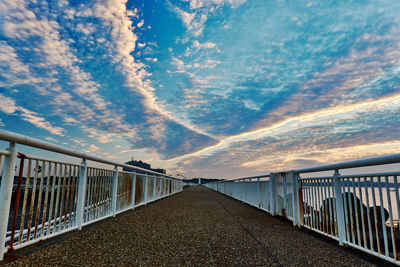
(197, 227)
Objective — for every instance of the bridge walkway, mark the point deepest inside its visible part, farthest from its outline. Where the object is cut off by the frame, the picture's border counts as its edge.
(197, 227)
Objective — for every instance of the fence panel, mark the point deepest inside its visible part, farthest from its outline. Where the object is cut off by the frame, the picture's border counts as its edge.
(140, 190)
(318, 206)
(124, 191)
(150, 189)
(158, 188)
(99, 194)
(371, 212)
(43, 201)
(265, 195)
(39, 197)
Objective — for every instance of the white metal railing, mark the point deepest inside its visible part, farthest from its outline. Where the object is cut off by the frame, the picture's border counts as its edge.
(361, 211)
(41, 198)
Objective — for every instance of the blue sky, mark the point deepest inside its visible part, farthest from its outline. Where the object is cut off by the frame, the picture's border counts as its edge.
(212, 88)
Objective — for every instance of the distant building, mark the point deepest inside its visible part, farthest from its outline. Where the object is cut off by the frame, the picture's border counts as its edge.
(143, 165)
(201, 180)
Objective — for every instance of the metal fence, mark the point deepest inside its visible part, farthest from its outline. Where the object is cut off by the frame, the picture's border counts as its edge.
(361, 211)
(41, 198)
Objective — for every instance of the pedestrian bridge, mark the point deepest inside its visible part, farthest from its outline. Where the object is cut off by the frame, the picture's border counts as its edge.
(197, 227)
(92, 213)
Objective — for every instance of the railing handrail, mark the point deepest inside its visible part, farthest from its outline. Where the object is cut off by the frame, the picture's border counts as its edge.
(381, 160)
(33, 142)
(373, 161)
(250, 177)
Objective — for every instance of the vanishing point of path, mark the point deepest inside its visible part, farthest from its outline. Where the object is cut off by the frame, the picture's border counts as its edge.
(197, 227)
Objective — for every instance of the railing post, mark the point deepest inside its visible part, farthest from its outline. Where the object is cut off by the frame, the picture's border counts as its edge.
(7, 181)
(133, 190)
(272, 179)
(339, 207)
(115, 189)
(80, 209)
(295, 200)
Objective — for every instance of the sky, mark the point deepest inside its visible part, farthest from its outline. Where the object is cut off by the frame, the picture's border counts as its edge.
(217, 88)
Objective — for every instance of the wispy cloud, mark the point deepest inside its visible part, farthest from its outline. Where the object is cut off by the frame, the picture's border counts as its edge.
(92, 149)
(227, 89)
(7, 105)
(293, 124)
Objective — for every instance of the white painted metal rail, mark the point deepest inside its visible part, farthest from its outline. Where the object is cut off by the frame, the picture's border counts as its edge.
(41, 198)
(361, 211)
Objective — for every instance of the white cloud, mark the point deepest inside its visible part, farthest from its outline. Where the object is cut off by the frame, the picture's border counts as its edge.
(8, 105)
(114, 14)
(87, 29)
(13, 71)
(92, 148)
(56, 53)
(208, 45)
(186, 17)
(40, 122)
(294, 123)
(199, 12)
(208, 64)
(140, 24)
(196, 4)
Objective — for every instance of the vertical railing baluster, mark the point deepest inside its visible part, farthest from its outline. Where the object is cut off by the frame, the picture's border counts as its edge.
(154, 188)
(300, 202)
(134, 190)
(385, 239)
(319, 204)
(46, 199)
(7, 181)
(396, 190)
(339, 207)
(73, 197)
(347, 212)
(357, 223)
(371, 240)
(67, 198)
(56, 208)
(22, 225)
(52, 199)
(16, 204)
(378, 239)
(313, 203)
(114, 192)
(259, 196)
(364, 236)
(273, 194)
(323, 205)
(284, 195)
(145, 189)
(64, 181)
(389, 201)
(293, 180)
(39, 203)
(87, 192)
(80, 210)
